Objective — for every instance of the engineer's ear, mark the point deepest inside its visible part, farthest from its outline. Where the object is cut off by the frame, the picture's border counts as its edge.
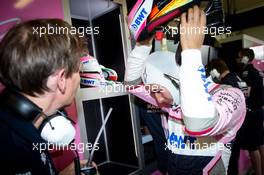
(61, 81)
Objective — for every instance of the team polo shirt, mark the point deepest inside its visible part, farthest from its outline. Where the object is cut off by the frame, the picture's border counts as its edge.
(22, 150)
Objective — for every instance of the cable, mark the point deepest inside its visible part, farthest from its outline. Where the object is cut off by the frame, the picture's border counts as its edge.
(77, 165)
(89, 163)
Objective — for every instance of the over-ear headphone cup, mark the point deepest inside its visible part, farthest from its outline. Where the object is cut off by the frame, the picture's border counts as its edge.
(57, 130)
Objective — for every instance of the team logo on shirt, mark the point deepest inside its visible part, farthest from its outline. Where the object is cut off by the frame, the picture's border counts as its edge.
(181, 141)
(206, 83)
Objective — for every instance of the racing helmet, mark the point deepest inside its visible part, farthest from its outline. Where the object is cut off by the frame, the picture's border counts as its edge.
(146, 15)
(91, 73)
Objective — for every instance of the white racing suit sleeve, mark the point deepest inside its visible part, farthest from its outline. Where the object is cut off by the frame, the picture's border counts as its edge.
(135, 64)
(199, 112)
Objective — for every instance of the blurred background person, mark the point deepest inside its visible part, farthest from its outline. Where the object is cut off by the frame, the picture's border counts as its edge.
(220, 73)
(253, 127)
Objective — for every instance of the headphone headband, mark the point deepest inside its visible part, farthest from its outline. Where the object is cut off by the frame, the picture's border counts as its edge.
(21, 105)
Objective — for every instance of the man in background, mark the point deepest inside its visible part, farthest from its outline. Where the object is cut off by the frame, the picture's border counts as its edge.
(253, 132)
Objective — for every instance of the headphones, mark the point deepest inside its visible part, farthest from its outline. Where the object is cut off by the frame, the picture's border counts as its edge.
(21, 105)
(56, 129)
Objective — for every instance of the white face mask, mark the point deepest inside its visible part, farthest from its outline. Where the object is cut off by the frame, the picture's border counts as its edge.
(215, 74)
(158, 64)
(244, 60)
(57, 130)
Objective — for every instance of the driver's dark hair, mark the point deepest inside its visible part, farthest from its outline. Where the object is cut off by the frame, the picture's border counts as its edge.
(247, 52)
(178, 55)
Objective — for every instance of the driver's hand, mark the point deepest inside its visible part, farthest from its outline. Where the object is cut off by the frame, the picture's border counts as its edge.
(192, 28)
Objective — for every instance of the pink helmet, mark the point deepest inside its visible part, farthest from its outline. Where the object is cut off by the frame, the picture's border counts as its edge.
(148, 14)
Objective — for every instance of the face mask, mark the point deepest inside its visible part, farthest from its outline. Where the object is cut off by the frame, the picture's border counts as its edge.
(244, 60)
(157, 66)
(57, 129)
(215, 74)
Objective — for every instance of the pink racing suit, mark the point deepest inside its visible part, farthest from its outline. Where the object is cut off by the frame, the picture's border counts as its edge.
(208, 116)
